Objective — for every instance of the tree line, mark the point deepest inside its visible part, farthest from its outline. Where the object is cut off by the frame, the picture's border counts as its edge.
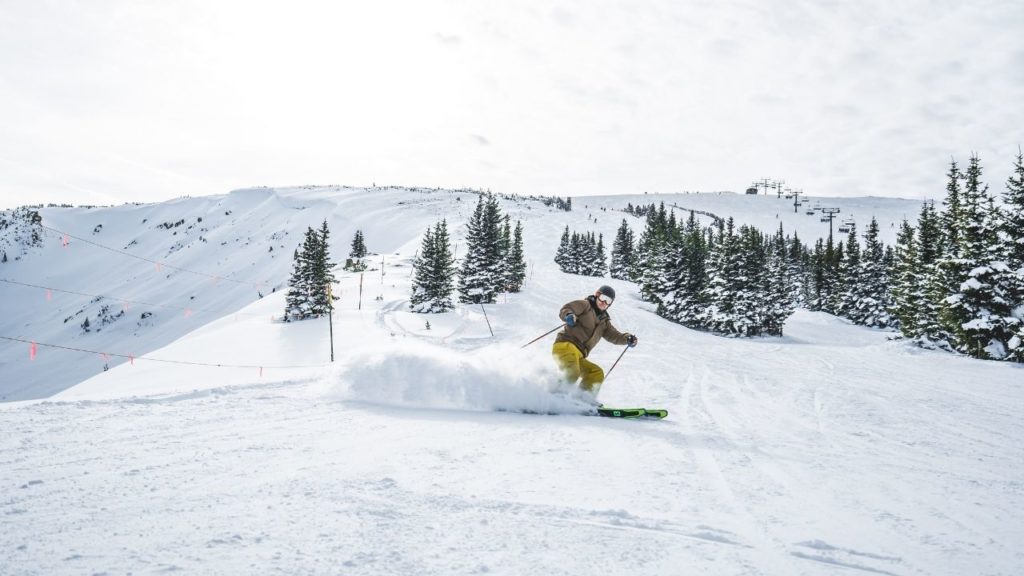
(494, 262)
(718, 278)
(954, 281)
(582, 253)
(958, 275)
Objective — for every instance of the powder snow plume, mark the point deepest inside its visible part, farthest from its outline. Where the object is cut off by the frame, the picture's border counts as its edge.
(423, 376)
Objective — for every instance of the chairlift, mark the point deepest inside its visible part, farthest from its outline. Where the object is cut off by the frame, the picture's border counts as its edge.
(844, 228)
(826, 219)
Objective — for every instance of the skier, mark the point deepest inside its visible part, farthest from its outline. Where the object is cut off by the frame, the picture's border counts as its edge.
(586, 322)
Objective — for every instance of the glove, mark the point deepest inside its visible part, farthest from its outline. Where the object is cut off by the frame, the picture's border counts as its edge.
(570, 319)
(630, 340)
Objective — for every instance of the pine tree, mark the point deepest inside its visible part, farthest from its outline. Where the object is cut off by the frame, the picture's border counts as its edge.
(321, 273)
(871, 297)
(299, 300)
(848, 290)
(797, 264)
(780, 294)
(480, 278)
(504, 245)
(977, 308)
(931, 281)
(515, 263)
(825, 266)
(562, 255)
(950, 267)
(721, 290)
(311, 274)
(1013, 240)
(907, 290)
(622, 253)
(600, 261)
(433, 272)
(422, 296)
(356, 255)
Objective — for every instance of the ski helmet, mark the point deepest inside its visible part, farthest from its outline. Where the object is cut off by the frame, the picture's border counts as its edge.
(607, 291)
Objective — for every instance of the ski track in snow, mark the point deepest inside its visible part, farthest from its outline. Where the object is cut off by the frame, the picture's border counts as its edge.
(828, 451)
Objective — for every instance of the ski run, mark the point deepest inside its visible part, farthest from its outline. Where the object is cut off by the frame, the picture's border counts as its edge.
(833, 449)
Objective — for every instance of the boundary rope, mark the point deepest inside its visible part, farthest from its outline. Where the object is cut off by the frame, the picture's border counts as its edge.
(167, 361)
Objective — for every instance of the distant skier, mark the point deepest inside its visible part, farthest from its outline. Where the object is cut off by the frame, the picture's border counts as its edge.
(586, 322)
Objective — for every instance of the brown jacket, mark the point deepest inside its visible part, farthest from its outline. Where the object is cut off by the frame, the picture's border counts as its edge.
(591, 326)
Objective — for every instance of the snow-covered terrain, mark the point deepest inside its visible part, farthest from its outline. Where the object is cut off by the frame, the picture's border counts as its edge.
(830, 450)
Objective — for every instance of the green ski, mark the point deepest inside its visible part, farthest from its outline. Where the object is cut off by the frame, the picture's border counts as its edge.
(633, 413)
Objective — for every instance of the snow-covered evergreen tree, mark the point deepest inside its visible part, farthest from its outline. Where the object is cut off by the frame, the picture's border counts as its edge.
(978, 308)
(322, 274)
(433, 272)
(870, 303)
(724, 271)
(600, 261)
(1012, 225)
(515, 262)
(357, 254)
(780, 295)
(311, 273)
(562, 256)
(849, 289)
(930, 249)
(685, 276)
(907, 285)
(481, 277)
(623, 253)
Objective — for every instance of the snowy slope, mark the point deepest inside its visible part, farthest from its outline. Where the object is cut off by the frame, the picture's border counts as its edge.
(240, 244)
(830, 450)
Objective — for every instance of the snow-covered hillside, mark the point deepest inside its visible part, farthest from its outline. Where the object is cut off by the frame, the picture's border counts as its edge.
(830, 450)
(122, 267)
(241, 245)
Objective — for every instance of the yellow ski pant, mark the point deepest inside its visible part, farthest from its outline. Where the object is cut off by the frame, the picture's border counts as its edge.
(575, 366)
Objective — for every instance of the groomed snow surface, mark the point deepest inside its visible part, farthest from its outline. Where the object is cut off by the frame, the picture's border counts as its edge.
(832, 450)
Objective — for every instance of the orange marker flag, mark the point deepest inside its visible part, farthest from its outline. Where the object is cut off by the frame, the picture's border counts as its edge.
(49, 295)
(32, 351)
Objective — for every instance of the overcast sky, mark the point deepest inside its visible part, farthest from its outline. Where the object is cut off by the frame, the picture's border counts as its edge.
(108, 101)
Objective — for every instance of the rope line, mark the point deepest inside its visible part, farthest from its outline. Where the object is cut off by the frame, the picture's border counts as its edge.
(167, 361)
(125, 300)
(156, 262)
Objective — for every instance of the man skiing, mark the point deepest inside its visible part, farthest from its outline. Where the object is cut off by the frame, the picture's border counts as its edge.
(586, 322)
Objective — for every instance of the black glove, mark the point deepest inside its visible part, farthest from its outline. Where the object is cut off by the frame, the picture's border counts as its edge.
(570, 319)
(630, 340)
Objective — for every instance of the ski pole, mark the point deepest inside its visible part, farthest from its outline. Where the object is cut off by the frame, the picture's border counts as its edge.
(541, 336)
(616, 363)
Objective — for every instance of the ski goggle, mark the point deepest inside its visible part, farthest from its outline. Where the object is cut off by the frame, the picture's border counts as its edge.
(605, 298)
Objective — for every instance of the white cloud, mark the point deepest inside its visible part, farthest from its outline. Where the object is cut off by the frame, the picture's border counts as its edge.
(120, 101)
